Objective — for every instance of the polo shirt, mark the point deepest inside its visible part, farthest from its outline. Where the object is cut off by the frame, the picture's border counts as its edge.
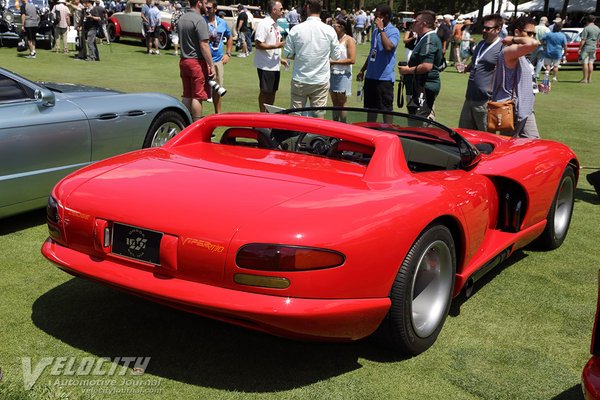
(382, 63)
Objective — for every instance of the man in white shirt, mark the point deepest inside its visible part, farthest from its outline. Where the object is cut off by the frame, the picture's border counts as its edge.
(311, 44)
(267, 57)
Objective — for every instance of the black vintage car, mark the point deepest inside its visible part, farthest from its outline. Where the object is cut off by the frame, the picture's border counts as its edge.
(10, 22)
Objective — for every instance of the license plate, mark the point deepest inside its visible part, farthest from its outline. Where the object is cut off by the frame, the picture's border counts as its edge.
(136, 243)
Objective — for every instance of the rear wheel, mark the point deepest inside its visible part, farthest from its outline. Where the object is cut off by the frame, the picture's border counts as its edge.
(165, 126)
(559, 216)
(421, 293)
(164, 41)
(112, 32)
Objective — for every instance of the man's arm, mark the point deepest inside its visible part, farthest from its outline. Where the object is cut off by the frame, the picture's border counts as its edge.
(206, 54)
(517, 47)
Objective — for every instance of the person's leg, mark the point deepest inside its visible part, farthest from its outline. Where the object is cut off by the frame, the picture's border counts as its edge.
(297, 95)
(318, 94)
(527, 128)
(196, 109)
(265, 98)
(219, 71)
(466, 119)
(91, 43)
(249, 40)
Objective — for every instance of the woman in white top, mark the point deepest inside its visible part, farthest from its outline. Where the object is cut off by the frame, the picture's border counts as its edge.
(340, 84)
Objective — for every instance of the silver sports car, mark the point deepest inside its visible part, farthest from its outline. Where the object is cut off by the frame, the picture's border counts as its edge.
(48, 130)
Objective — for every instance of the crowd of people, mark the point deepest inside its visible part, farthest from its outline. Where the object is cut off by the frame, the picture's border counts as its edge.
(505, 65)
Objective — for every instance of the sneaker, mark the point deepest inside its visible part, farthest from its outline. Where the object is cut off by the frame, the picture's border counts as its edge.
(31, 55)
(157, 52)
(242, 55)
(554, 79)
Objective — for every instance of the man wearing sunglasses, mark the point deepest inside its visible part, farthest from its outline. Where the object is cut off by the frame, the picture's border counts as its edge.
(482, 67)
(514, 77)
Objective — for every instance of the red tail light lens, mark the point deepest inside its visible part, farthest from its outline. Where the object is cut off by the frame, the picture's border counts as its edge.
(273, 257)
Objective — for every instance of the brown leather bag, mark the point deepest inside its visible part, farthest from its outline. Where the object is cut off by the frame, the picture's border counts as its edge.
(501, 116)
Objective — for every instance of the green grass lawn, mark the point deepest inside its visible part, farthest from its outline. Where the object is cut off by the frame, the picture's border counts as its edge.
(524, 334)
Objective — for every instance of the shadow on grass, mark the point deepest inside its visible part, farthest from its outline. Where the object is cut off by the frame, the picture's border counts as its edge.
(188, 348)
(587, 195)
(574, 392)
(22, 221)
(457, 302)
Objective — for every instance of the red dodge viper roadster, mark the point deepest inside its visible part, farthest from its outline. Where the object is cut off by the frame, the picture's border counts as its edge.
(313, 228)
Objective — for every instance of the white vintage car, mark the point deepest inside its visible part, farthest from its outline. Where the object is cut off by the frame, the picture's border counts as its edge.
(129, 23)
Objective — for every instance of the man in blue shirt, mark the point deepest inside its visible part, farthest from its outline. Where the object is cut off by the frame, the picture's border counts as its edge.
(555, 45)
(379, 65)
(218, 33)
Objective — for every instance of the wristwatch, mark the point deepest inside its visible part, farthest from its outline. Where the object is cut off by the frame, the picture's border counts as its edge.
(228, 54)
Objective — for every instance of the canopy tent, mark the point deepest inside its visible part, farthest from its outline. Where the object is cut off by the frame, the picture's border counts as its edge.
(506, 8)
(574, 5)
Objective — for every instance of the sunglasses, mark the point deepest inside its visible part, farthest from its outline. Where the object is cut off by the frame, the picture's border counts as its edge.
(489, 28)
(530, 33)
(208, 8)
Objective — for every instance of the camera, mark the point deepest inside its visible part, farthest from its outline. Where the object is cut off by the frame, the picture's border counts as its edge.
(217, 88)
(402, 64)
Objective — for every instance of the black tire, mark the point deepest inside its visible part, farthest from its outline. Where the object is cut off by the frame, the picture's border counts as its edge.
(428, 271)
(164, 39)
(166, 125)
(559, 215)
(112, 32)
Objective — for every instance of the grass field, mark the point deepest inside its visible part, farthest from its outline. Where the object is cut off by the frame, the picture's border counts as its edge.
(524, 334)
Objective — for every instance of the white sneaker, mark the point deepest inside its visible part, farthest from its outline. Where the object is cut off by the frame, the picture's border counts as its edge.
(242, 55)
(157, 52)
(554, 79)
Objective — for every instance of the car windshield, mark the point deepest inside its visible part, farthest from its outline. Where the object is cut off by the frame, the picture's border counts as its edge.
(572, 36)
(421, 138)
(400, 124)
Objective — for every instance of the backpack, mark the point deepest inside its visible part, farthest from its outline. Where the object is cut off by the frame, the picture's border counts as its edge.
(56, 17)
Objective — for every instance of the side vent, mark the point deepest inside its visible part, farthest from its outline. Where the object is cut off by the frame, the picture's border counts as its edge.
(512, 205)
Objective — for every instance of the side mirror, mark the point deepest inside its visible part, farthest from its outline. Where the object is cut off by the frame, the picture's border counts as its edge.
(46, 96)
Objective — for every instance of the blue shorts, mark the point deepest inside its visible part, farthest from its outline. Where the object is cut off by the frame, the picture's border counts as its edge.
(341, 83)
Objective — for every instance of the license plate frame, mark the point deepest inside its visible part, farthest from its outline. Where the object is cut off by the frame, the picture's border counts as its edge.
(136, 243)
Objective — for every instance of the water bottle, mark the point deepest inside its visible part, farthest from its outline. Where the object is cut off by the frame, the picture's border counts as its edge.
(545, 86)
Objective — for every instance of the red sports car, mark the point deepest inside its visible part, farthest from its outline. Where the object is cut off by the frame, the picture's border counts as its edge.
(591, 373)
(313, 228)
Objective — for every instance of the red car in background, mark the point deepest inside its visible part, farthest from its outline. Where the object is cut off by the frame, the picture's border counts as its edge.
(591, 373)
(128, 23)
(573, 41)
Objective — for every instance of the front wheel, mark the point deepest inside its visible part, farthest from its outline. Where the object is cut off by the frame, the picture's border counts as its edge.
(421, 293)
(561, 210)
(165, 126)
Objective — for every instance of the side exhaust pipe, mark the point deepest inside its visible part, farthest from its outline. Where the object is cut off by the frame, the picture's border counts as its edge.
(487, 267)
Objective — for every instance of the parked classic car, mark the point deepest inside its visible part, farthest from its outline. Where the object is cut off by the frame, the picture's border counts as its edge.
(590, 378)
(10, 22)
(129, 23)
(573, 41)
(50, 129)
(311, 228)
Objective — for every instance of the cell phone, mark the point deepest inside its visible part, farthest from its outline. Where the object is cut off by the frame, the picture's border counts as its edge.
(402, 64)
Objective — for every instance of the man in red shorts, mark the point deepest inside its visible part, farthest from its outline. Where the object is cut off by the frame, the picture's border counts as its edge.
(196, 65)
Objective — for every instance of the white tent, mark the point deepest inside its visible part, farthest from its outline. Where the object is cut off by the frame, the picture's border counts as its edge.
(574, 5)
(506, 8)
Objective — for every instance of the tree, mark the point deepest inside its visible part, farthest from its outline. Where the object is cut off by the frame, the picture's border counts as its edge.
(564, 9)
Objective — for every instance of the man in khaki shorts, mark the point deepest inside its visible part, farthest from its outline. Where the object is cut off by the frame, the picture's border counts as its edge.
(587, 48)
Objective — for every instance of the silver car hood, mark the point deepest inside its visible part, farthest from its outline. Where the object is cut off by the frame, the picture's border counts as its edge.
(71, 90)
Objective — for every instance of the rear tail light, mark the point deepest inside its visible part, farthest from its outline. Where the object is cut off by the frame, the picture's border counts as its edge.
(595, 347)
(273, 257)
(54, 219)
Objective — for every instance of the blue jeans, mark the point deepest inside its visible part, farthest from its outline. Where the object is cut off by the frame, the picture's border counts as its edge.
(249, 40)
